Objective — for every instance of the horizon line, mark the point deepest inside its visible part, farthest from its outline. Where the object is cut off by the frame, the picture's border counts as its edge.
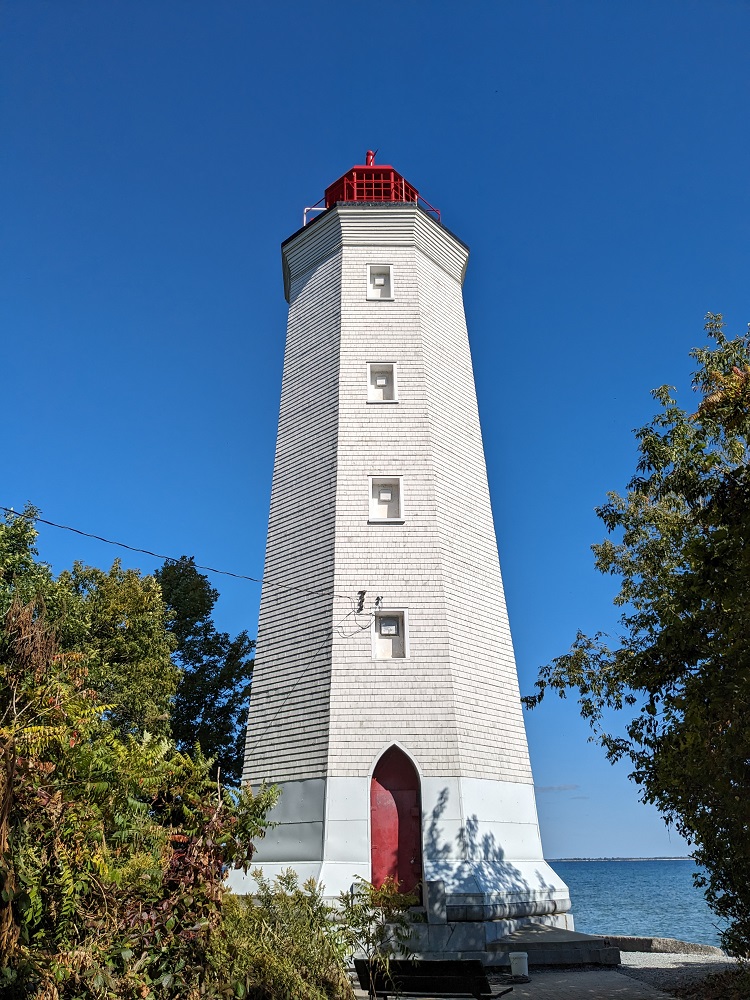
(650, 857)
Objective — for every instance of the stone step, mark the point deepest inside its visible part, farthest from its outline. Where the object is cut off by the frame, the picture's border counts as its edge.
(544, 945)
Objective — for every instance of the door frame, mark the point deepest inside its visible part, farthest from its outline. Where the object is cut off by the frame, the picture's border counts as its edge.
(383, 750)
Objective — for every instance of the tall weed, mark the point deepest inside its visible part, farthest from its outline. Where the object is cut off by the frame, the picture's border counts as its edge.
(284, 944)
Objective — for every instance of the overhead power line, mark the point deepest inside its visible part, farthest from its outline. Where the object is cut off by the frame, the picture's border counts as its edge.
(172, 559)
(357, 605)
(303, 675)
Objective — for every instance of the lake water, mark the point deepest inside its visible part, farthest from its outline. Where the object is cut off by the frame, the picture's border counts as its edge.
(642, 898)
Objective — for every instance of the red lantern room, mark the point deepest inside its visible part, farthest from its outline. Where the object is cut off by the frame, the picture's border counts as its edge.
(371, 182)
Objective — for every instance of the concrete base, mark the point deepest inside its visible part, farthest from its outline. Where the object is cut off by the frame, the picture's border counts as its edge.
(546, 942)
(480, 843)
(465, 891)
(554, 945)
(489, 928)
(486, 940)
(480, 839)
(497, 889)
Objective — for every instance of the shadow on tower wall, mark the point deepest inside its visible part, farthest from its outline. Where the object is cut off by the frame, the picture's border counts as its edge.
(480, 883)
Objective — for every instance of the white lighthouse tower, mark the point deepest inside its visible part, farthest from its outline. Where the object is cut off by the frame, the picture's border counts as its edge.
(385, 698)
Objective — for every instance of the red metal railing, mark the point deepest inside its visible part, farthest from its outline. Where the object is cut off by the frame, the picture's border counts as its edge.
(430, 209)
(371, 183)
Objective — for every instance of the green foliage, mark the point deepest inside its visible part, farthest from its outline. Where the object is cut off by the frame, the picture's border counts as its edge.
(288, 944)
(22, 577)
(682, 664)
(117, 620)
(114, 842)
(113, 850)
(284, 944)
(210, 708)
(377, 923)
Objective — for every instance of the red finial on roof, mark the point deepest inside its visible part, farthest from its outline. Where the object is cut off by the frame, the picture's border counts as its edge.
(370, 158)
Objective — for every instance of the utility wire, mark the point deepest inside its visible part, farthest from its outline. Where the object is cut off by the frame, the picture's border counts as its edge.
(303, 675)
(356, 611)
(171, 559)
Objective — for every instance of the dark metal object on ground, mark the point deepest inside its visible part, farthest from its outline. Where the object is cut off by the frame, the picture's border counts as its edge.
(410, 978)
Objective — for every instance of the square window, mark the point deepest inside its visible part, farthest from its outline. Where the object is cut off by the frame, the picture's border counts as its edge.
(389, 639)
(389, 626)
(379, 281)
(385, 498)
(381, 382)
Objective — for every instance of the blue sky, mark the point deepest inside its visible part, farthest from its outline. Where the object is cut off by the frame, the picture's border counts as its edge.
(593, 155)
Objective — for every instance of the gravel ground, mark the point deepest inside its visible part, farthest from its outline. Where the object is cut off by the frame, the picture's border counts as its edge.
(669, 972)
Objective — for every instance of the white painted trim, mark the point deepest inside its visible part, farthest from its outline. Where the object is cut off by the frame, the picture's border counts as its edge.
(394, 369)
(386, 520)
(404, 750)
(380, 298)
(384, 613)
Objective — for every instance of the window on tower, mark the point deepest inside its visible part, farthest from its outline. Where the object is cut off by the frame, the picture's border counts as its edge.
(379, 281)
(389, 639)
(381, 382)
(386, 499)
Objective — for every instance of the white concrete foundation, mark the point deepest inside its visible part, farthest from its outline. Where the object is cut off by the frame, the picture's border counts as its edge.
(480, 839)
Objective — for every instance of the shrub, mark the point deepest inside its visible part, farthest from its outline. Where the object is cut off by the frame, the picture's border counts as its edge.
(377, 923)
(113, 851)
(285, 944)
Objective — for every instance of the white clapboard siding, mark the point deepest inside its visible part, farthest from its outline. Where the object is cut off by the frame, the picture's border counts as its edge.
(321, 705)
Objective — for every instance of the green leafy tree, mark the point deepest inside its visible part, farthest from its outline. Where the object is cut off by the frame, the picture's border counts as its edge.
(113, 848)
(116, 619)
(22, 576)
(681, 667)
(154, 654)
(210, 707)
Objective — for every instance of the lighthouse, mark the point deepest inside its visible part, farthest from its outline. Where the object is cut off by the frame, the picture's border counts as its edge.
(385, 700)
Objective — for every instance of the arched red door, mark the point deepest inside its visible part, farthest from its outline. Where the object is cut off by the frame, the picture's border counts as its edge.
(396, 821)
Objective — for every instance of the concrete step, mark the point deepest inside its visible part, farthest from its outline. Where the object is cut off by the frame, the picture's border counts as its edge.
(485, 941)
(554, 946)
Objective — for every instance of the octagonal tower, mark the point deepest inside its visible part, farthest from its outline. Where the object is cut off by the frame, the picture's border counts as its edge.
(385, 698)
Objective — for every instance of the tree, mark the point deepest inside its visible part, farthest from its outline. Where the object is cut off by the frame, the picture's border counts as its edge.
(113, 848)
(681, 667)
(116, 619)
(210, 707)
(22, 577)
(153, 652)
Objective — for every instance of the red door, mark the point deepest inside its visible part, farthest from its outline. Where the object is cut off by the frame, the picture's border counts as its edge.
(396, 821)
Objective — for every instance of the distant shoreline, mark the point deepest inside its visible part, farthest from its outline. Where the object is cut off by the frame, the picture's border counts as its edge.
(681, 858)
